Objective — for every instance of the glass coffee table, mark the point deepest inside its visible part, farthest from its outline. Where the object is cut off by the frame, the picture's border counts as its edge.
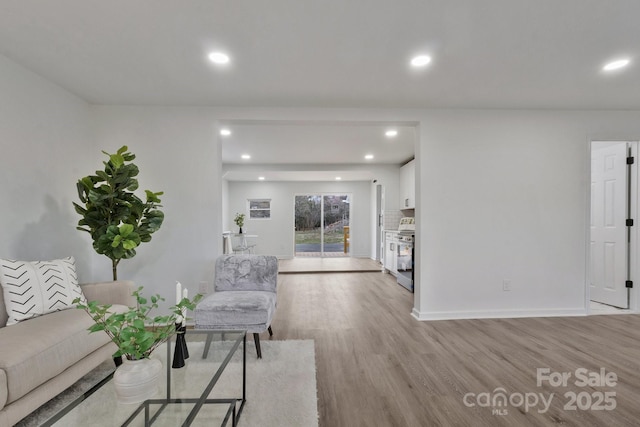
(208, 390)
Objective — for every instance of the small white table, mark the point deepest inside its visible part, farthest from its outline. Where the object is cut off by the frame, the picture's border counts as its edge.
(240, 243)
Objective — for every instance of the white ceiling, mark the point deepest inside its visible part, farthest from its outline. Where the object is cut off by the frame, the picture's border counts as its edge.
(302, 151)
(337, 143)
(330, 53)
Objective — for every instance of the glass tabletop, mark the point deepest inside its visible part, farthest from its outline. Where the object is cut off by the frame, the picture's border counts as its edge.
(208, 390)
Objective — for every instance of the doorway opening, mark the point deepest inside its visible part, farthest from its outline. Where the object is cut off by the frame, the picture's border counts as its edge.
(612, 236)
(322, 227)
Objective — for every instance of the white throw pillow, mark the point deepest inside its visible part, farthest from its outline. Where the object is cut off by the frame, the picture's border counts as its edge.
(31, 289)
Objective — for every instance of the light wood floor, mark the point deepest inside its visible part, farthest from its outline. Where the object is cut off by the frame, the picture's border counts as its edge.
(320, 265)
(378, 366)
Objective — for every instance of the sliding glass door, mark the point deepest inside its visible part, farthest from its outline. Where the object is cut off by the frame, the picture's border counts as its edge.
(308, 220)
(322, 225)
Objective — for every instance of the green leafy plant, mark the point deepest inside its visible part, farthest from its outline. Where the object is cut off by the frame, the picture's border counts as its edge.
(116, 218)
(135, 332)
(239, 219)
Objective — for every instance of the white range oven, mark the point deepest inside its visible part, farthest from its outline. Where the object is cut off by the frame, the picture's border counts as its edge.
(405, 260)
(399, 252)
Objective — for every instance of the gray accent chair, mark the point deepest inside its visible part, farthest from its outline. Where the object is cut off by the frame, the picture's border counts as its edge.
(244, 297)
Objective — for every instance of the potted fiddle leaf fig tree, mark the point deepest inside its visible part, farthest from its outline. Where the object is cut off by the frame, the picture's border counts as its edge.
(115, 217)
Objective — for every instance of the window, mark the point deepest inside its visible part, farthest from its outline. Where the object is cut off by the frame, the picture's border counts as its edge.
(259, 208)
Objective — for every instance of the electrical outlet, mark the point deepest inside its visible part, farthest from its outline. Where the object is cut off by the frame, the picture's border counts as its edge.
(203, 287)
(506, 285)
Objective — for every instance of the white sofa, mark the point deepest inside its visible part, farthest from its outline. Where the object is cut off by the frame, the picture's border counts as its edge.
(41, 357)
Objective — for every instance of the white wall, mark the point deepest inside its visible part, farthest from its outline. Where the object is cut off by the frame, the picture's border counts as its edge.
(384, 174)
(225, 205)
(178, 152)
(504, 195)
(500, 195)
(45, 144)
(276, 235)
(50, 138)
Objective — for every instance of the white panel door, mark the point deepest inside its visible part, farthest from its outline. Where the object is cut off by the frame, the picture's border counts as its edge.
(608, 223)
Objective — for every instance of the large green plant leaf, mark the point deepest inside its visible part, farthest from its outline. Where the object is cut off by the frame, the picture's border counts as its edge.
(135, 332)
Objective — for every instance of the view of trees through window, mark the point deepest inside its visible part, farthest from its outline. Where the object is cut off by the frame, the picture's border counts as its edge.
(321, 222)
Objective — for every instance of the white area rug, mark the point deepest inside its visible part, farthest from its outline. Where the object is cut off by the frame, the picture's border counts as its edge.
(281, 389)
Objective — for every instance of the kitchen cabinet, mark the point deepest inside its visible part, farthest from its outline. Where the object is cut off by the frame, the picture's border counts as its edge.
(390, 247)
(408, 185)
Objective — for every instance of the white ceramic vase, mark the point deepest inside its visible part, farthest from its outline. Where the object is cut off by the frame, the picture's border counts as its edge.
(137, 380)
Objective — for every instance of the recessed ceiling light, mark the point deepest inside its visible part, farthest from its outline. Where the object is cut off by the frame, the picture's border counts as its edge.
(219, 58)
(246, 156)
(616, 65)
(338, 178)
(225, 132)
(420, 60)
(391, 133)
(368, 156)
(261, 178)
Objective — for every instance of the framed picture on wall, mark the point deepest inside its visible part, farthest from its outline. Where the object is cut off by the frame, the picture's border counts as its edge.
(259, 208)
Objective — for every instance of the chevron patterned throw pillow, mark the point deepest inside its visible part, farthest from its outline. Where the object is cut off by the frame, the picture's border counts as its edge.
(31, 289)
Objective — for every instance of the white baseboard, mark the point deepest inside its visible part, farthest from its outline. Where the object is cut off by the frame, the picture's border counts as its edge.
(496, 314)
